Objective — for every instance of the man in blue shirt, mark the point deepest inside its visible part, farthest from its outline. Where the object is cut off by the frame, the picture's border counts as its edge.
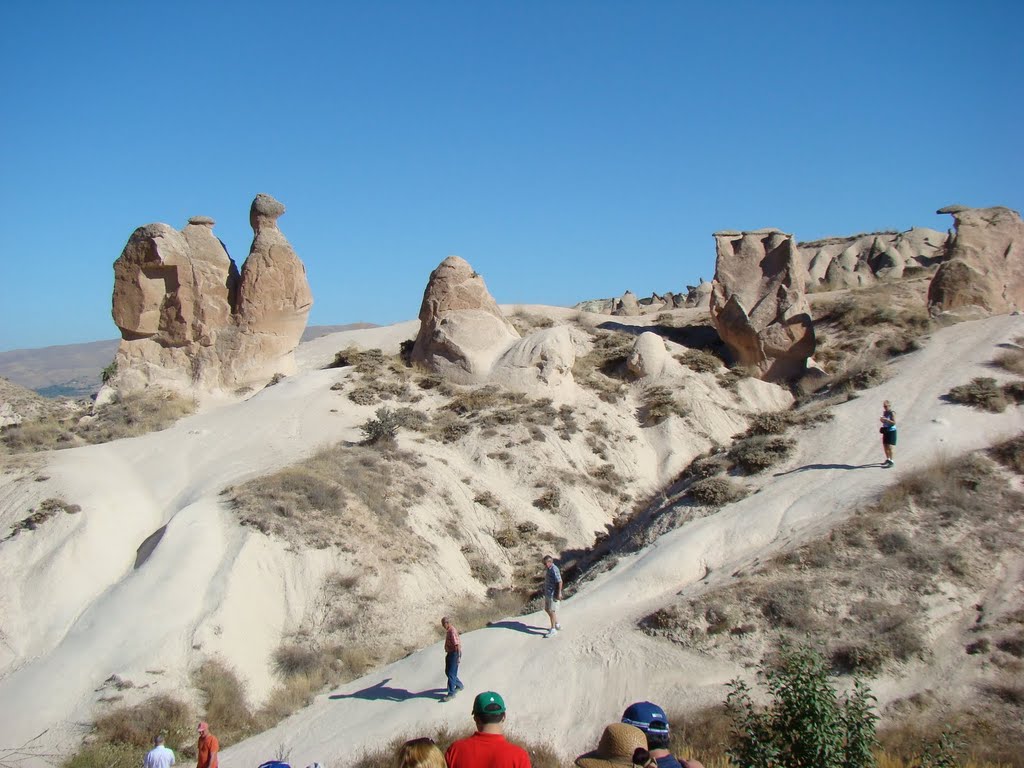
(552, 593)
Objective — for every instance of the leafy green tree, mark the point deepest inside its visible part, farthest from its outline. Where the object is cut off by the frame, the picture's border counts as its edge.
(806, 724)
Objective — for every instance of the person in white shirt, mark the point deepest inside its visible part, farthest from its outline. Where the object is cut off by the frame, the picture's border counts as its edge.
(159, 756)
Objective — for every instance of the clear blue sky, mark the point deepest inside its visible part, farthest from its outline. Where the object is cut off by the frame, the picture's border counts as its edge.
(568, 150)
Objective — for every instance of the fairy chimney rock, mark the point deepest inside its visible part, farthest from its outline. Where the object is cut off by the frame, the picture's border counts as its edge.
(190, 321)
(984, 270)
(462, 330)
(758, 304)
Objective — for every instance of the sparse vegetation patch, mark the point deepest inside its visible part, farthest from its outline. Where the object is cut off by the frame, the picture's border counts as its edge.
(862, 591)
(335, 497)
(125, 416)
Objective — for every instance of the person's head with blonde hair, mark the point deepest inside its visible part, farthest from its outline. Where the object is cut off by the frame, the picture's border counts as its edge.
(419, 753)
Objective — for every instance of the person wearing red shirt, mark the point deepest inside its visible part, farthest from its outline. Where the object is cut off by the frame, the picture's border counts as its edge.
(452, 658)
(487, 748)
(207, 749)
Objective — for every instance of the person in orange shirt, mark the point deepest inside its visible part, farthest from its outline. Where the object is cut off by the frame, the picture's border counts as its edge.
(208, 748)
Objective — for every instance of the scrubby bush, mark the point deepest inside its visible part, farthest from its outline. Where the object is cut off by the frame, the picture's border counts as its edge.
(700, 360)
(1010, 453)
(716, 491)
(982, 392)
(806, 723)
(109, 372)
(550, 500)
(757, 454)
(659, 402)
(382, 429)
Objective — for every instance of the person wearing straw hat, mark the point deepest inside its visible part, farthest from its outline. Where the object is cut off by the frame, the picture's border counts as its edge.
(619, 743)
(487, 747)
(653, 722)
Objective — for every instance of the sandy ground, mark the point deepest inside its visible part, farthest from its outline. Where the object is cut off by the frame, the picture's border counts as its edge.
(213, 587)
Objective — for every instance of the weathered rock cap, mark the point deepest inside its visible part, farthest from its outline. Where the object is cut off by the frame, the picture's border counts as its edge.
(742, 232)
(202, 221)
(954, 209)
(265, 211)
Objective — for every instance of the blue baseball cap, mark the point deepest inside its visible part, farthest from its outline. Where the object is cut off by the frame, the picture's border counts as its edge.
(648, 717)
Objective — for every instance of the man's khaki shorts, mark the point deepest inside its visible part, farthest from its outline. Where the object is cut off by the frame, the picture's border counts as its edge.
(550, 604)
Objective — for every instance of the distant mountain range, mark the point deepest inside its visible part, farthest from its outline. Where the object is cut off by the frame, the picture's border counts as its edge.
(73, 370)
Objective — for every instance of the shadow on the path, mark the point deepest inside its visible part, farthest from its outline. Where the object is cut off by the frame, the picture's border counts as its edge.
(383, 692)
(517, 626)
(807, 467)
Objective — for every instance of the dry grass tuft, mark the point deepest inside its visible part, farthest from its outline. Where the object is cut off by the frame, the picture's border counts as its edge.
(1012, 360)
(126, 416)
(862, 591)
(716, 491)
(756, 454)
(658, 404)
(603, 369)
(334, 497)
(1010, 453)
(700, 360)
(982, 392)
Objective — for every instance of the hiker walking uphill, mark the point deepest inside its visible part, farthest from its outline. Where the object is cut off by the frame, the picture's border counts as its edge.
(888, 430)
(552, 593)
(452, 657)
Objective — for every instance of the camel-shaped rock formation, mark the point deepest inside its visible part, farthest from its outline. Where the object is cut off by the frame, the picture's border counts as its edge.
(190, 321)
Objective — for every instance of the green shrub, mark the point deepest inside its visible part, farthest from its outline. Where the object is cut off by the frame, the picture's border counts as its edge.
(382, 429)
(109, 372)
(806, 724)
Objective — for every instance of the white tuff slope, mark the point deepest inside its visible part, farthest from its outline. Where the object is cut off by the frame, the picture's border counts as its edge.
(564, 690)
(213, 583)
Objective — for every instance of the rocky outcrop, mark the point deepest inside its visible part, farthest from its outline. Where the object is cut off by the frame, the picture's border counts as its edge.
(626, 305)
(984, 272)
(851, 262)
(648, 356)
(190, 320)
(543, 359)
(758, 304)
(698, 295)
(462, 331)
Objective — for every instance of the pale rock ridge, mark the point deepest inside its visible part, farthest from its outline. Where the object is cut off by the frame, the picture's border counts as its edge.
(758, 305)
(462, 330)
(984, 272)
(542, 359)
(190, 321)
(628, 305)
(851, 262)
